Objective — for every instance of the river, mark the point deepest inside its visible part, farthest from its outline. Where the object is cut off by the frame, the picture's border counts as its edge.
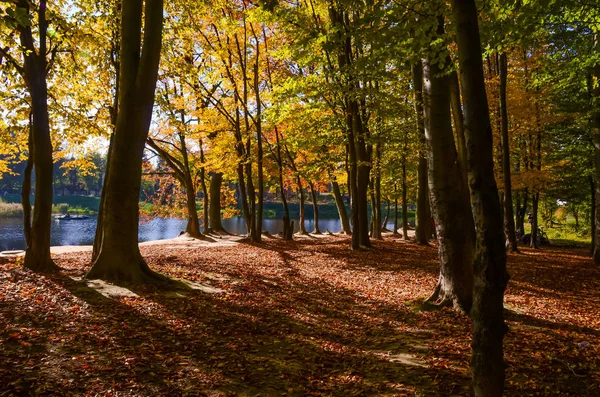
(81, 232)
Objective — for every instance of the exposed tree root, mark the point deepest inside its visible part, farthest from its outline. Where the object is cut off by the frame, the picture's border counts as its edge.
(47, 266)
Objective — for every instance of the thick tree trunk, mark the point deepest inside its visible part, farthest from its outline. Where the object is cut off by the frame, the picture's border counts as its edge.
(214, 206)
(593, 214)
(489, 266)
(423, 230)
(339, 202)
(509, 220)
(313, 195)
(453, 218)
(119, 259)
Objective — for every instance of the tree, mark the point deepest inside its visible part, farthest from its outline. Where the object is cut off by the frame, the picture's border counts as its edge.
(423, 231)
(34, 71)
(449, 204)
(489, 266)
(596, 130)
(509, 219)
(119, 257)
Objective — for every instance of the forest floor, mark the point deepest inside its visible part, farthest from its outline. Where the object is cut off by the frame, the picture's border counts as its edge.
(302, 318)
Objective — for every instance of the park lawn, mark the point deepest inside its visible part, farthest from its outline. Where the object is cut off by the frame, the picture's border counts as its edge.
(302, 318)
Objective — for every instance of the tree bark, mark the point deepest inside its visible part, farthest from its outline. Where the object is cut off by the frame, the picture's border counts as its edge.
(458, 118)
(490, 275)
(215, 203)
(259, 151)
(193, 225)
(593, 213)
(313, 195)
(449, 203)
(288, 230)
(26, 187)
(596, 131)
(396, 210)
(387, 216)
(521, 212)
(37, 254)
(404, 202)
(509, 219)
(205, 196)
(339, 202)
(359, 168)
(301, 195)
(423, 230)
(377, 194)
(119, 259)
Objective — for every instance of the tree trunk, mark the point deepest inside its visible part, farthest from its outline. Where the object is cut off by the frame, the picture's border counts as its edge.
(26, 187)
(313, 195)
(339, 202)
(458, 118)
(387, 216)
(254, 236)
(288, 230)
(593, 214)
(193, 225)
(215, 203)
(37, 254)
(119, 259)
(489, 266)
(535, 199)
(363, 171)
(259, 152)
(453, 218)
(396, 211)
(301, 194)
(404, 202)
(509, 220)
(521, 212)
(377, 194)
(99, 219)
(596, 131)
(205, 196)
(423, 230)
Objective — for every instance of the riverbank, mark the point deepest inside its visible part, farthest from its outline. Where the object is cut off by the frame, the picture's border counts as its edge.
(14, 209)
(295, 318)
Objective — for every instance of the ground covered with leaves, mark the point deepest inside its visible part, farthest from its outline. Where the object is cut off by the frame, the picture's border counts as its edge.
(302, 318)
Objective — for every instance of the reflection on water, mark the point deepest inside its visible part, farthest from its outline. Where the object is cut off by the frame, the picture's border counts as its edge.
(81, 232)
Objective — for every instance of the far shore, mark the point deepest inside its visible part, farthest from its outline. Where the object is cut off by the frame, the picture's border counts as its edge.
(183, 241)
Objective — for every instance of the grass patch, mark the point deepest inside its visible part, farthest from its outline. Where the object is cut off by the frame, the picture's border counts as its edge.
(10, 210)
